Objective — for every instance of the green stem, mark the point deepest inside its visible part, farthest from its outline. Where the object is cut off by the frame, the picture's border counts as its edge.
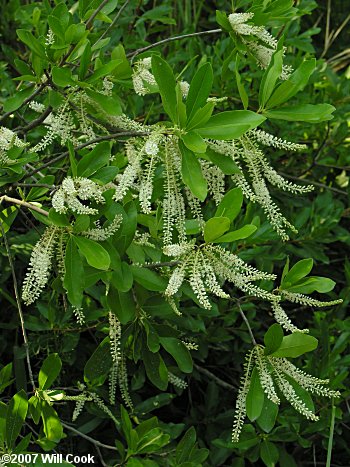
(331, 434)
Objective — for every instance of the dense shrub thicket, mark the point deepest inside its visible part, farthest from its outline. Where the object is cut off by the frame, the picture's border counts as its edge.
(174, 233)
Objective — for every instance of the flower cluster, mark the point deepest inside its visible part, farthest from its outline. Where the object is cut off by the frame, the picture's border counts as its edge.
(272, 372)
(73, 191)
(39, 265)
(142, 78)
(102, 233)
(260, 43)
(59, 125)
(252, 181)
(207, 267)
(8, 139)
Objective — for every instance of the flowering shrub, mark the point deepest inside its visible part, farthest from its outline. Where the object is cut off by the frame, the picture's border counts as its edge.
(154, 232)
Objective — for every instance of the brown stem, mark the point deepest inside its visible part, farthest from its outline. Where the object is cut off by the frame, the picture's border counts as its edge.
(20, 202)
(171, 39)
(88, 438)
(84, 145)
(19, 306)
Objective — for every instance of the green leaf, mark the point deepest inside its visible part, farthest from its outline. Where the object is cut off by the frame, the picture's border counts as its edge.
(109, 104)
(295, 344)
(179, 351)
(298, 271)
(302, 113)
(49, 371)
(122, 277)
(241, 89)
(185, 446)
(269, 453)
(16, 415)
(122, 305)
(271, 75)
(191, 172)
(51, 423)
(200, 88)
(312, 284)
(32, 42)
(194, 142)
(230, 125)
(255, 397)
(14, 102)
(155, 368)
(239, 234)
(97, 367)
(215, 227)
(63, 77)
(103, 70)
(225, 163)
(231, 204)
(200, 117)
(150, 280)
(273, 338)
(165, 79)
(58, 219)
(222, 20)
(94, 160)
(268, 416)
(94, 253)
(73, 163)
(82, 223)
(295, 83)
(74, 274)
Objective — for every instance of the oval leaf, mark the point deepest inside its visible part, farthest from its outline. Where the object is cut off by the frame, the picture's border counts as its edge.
(295, 344)
(49, 371)
(94, 253)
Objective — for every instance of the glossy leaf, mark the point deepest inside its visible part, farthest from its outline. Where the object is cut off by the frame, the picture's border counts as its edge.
(94, 253)
(295, 344)
(49, 371)
(313, 113)
(255, 397)
(225, 163)
(273, 338)
(238, 234)
(97, 367)
(230, 125)
(16, 415)
(301, 269)
(166, 81)
(231, 204)
(94, 160)
(215, 227)
(192, 173)
(295, 83)
(200, 88)
(179, 351)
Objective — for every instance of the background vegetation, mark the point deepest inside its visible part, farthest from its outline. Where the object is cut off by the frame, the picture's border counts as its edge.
(317, 29)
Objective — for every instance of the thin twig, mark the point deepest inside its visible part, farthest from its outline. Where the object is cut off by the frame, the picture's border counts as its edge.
(210, 375)
(171, 39)
(20, 202)
(117, 16)
(84, 145)
(160, 265)
(88, 438)
(95, 13)
(41, 185)
(246, 321)
(26, 101)
(19, 306)
(35, 122)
